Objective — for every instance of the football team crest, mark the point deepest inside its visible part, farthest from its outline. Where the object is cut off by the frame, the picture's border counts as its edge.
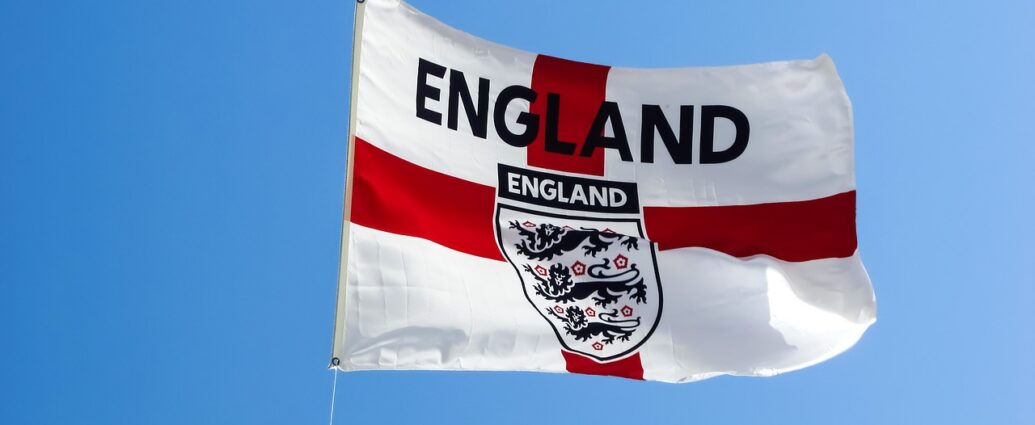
(590, 274)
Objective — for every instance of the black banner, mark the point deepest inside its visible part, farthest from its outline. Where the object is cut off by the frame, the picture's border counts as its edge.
(566, 192)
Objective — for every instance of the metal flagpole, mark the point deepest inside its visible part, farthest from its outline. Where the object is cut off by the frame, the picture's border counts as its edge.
(338, 339)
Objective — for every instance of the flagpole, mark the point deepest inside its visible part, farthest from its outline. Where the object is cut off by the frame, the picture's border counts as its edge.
(338, 341)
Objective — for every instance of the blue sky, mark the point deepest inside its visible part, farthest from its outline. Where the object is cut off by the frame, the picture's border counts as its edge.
(171, 186)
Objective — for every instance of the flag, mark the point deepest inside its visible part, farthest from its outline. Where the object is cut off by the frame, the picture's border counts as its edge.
(512, 211)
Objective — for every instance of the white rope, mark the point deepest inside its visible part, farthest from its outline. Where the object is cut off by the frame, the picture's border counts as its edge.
(334, 389)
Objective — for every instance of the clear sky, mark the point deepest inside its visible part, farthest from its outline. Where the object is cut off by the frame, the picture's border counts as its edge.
(171, 187)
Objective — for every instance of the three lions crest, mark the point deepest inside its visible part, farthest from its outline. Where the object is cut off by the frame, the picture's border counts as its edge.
(594, 280)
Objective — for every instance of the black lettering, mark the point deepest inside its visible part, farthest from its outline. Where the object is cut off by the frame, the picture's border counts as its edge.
(608, 112)
(741, 127)
(529, 120)
(425, 91)
(567, 192)
(654, 118)
(552, 143)
(477, 118)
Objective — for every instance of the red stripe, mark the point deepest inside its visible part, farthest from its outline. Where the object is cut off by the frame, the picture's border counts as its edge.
(789, 231)
(396, 196)
(581, 87)
(629, 367)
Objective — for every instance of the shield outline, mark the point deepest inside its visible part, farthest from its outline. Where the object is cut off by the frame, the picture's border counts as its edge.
(524, 287)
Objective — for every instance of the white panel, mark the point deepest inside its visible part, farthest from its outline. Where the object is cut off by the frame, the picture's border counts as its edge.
(414, 304)
(757, 316)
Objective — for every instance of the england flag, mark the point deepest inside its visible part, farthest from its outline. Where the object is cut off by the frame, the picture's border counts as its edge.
(512, 211)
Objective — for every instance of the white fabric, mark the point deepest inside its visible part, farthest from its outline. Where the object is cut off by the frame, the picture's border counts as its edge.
(413, 304)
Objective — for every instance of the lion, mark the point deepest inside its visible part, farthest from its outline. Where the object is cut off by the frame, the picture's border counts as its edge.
(548, 241)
